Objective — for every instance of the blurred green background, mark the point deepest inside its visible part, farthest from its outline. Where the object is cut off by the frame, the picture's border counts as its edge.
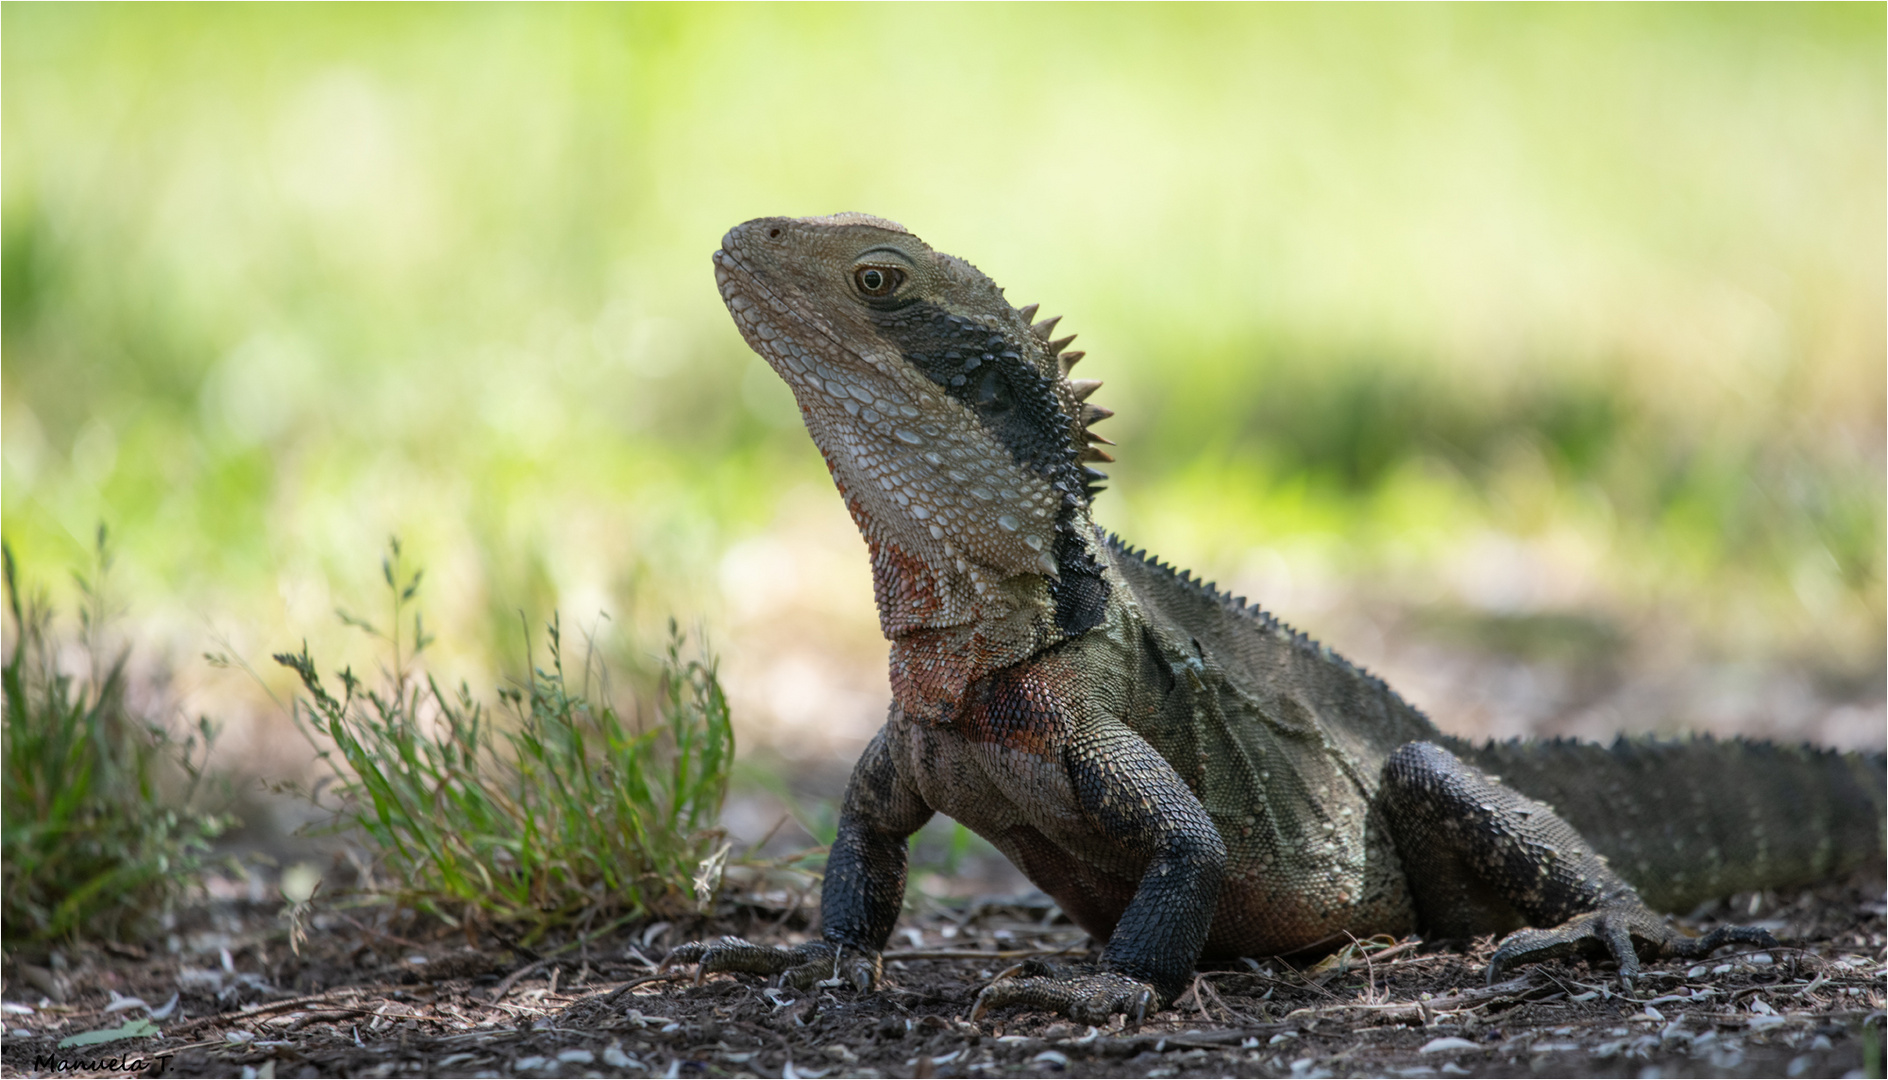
(1487, 342)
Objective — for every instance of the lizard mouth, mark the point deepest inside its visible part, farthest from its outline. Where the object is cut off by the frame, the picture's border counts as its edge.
(758, 311)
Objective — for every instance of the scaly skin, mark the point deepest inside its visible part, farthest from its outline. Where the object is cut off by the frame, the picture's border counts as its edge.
(1186, 775)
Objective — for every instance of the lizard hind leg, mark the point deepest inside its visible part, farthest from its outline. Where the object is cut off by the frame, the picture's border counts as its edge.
(1482, 858)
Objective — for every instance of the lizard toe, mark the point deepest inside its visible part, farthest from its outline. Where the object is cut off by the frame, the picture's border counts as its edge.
(819, 962)
(1627, 933)
(801, 967)
(1594, 934)
(1534, 945)
(1086, 999)
(1692, 948)
(683, 955)
(861, 967)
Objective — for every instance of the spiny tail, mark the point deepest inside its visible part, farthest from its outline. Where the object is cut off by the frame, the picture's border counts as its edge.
(1696, 819)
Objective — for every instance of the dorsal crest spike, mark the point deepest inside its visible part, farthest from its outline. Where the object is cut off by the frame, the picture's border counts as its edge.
(1028, 312)
(1069, 360)
(1059, 344)
(1046, 326)
(1082, 388)
(1092, 414)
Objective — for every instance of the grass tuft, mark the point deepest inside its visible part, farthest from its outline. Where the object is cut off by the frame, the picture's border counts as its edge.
(95, 838)
(553, 810)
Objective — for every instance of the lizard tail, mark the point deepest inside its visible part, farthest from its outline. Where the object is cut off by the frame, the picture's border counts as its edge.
(1692, 820)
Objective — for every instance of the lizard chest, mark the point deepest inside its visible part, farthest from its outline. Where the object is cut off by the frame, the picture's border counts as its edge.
(998, 762)
(1014, 790)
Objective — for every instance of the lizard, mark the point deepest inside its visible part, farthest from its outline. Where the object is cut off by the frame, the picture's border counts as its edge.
(1184, 774)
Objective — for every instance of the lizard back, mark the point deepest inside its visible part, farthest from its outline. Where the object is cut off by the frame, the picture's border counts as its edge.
(1684, 820)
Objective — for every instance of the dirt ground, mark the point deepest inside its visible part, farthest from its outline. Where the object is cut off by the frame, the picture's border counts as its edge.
(374, 994)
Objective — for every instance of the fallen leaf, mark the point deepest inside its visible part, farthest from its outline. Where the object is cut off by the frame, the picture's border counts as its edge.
(132, 1029)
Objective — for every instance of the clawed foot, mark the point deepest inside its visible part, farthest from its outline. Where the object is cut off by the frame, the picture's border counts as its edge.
(1089, 998)
(1627, 934)
(801, 967)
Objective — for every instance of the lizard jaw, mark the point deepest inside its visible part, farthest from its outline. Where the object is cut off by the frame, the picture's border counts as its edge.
(918, 472)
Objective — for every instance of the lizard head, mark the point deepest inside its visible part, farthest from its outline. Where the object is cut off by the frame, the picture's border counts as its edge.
(946, 416)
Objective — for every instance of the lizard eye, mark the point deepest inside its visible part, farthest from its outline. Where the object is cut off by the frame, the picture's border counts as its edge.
(878, 280)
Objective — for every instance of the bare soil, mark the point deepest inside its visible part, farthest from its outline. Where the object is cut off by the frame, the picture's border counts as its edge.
(373, 993)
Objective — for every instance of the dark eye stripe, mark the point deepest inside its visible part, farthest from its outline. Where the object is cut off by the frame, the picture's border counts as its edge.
(985, 371)
(1017, 405)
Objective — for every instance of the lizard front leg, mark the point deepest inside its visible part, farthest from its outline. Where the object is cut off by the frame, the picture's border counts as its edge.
(1481, 858)
(861, 895)
(1131, 796)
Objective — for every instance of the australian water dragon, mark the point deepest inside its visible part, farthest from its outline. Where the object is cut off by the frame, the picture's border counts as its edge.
(1186, 775)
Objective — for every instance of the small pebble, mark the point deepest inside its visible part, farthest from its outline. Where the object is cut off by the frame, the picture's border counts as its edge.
(1448, 1044)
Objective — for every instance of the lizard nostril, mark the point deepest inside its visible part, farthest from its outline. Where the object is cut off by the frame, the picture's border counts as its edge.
(772, 233)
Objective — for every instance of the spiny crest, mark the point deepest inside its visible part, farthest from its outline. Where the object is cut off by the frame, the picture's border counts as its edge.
(1078, 391)
(1237, 606)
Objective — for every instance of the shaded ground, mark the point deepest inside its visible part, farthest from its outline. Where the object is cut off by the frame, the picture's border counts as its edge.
(373, 995)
